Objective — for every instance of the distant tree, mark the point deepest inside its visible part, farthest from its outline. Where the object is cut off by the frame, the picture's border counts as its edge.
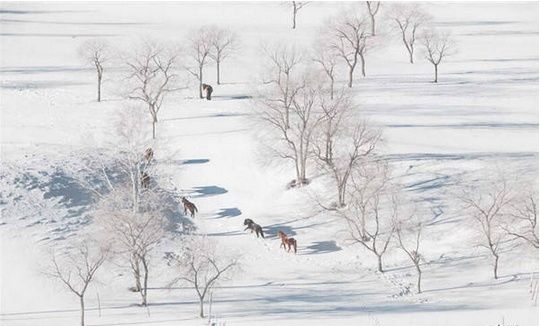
(293, 126)
(349, 40)
(199, 50)
(488, 209)
(437, 47)
(409, 236)
(367, 221)
(153, 70)
(97, 53)
(77, 268)
(284, 63)
(199, 265)
(342, 142)
(224, 43)
(296, 6)
(408, 19)
(523, 223)
(325, 57)
(134, 235)
(373, 8)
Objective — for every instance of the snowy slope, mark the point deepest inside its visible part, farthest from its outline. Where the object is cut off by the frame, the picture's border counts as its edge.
(482, 116)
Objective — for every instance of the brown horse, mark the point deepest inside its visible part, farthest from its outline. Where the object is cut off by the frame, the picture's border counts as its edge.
(148, 155)
(286, 241)
(145, 180)
(189, 206)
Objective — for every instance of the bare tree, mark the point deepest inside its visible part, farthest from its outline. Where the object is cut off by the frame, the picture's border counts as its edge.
(409, 237)
(488, 210)
(523, 222)
(153, 70)
(342, 143)
(200, 48)
(325, 57)
(349, 40)
(224, 43)
(367, 221)
(294, 126)
(283, 70)
(296, 6)
(373, 8)
(77, 268)
(97, 53)
(437, 46)
(199, 265)
(134, 235)
(408, 19)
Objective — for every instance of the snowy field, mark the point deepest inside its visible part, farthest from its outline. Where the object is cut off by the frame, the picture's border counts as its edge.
(482, 117)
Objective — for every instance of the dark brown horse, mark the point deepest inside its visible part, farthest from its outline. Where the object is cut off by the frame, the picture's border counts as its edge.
(189, 206)
(148, 155)
(254, 227)
(287, 242)
(145, 180)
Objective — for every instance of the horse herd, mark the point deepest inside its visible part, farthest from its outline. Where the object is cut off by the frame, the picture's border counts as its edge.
(287, 243)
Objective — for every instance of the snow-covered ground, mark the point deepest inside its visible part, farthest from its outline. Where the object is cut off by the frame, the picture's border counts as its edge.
(482, 117)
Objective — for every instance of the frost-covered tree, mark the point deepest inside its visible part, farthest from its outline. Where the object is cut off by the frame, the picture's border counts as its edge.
(409, 232)
(488, 209)
(326, 58)
(342, 142)
(296, 7)
(437, 46)
(284, 69)
(408, 19)
(293, 122)
(152, 69)
(134, 234)
(76, 269)
(200, 45)
(373, 8)
(96, 52)
(349, 33)
(199, 264)
(224, 43)
(523, 222)
(371, 210)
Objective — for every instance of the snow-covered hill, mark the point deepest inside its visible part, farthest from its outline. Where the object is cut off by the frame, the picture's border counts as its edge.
(482, 117)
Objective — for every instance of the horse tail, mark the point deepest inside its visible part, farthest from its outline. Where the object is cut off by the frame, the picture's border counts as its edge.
(195, 208)
(262, 233)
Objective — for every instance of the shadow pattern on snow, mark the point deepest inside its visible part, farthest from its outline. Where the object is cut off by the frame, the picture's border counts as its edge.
(207, 191)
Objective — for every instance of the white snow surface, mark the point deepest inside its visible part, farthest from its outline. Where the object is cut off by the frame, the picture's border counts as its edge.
(481, 117)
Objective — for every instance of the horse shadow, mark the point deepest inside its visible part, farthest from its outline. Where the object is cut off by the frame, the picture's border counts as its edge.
(322, 247)
(228, 212)
(272, 230)
(206, 191)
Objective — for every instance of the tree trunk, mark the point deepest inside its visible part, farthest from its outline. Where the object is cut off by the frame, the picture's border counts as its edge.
(154, 121)
(411, 56)
(372, 25)
(351, 71)
(294, 16)
(436, 73)
(217, 64)
(144, 290)
(495, 266)
(201, 307)
(363, 62)
(200, 81)
(136, 272)
(82, 309)
(99, 88)
(331, 88)
(379, 261)
(419, 289)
